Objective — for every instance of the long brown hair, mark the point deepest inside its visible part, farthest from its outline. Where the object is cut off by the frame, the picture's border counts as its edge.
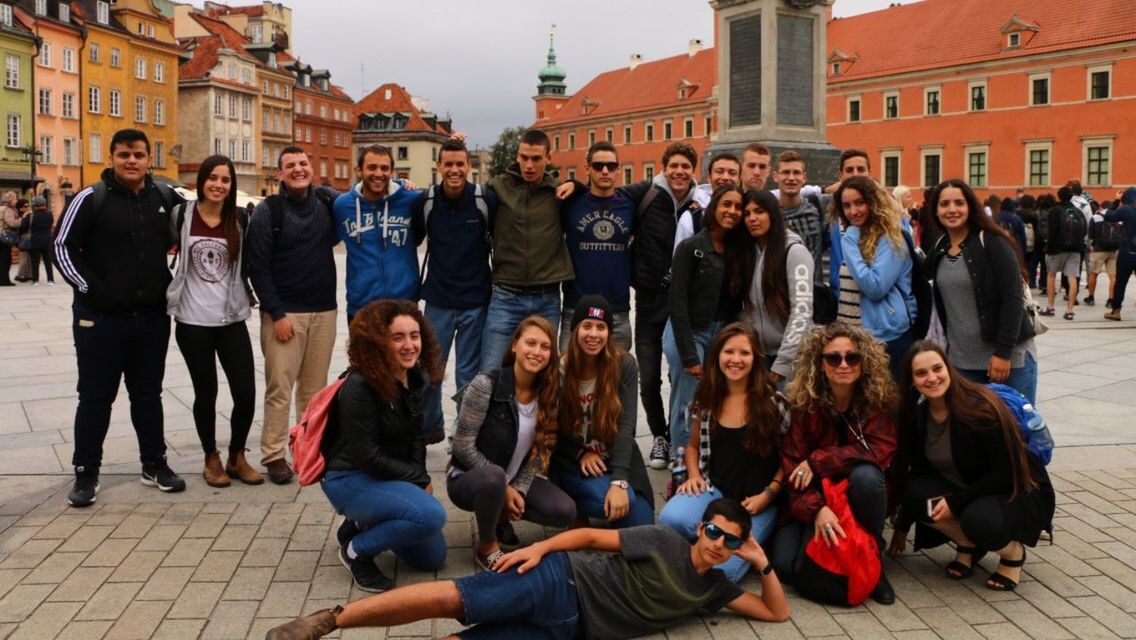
(229, 225)
(368, 346)
(773, 278)
(884, 215)
(809, 388)
(546, 387)
(608, 406)
(763, 417)
(972, 406)
(737, 245)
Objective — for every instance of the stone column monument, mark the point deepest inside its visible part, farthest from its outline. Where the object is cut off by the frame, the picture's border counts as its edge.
(771, 80)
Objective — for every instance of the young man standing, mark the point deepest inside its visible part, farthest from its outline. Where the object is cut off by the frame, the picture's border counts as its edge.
(373, 220)
(1067, 229)
(456, 218)
(289, 244)
(649, 579)
(756, 165)
(530, 260)
(724, 169)
(799, 213)
(111, 247)
(598, 225)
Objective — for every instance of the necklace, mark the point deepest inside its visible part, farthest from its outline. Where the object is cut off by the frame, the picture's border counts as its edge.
(857, 432)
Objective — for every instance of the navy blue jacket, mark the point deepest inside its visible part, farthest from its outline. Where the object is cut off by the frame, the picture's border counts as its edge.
(1126, 216)
(458, 275)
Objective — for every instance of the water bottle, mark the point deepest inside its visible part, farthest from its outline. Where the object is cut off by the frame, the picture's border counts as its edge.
(678, 472)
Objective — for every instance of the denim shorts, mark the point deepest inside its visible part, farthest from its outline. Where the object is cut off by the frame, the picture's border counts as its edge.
(540, 603)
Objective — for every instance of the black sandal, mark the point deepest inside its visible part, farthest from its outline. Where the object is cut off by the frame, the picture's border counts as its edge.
(999, 582)
(956, 570)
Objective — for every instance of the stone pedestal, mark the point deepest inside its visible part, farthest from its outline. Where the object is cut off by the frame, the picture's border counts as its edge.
(771, 80)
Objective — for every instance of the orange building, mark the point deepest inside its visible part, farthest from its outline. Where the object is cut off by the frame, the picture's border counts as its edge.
(640, 108)
(323, 124)
(1000, 93)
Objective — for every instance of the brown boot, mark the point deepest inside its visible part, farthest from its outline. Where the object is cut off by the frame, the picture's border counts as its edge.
(279, 471)
(240, 469)
(1113, 314)
(214, 473)
(310, 627)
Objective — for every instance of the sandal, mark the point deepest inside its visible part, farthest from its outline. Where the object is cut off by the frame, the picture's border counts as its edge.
(999, 582)
(1048, 311)
(1068, 315)
(956, 570)
(487, 562)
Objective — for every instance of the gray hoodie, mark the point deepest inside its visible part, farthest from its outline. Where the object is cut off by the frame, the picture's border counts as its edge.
(784, 339)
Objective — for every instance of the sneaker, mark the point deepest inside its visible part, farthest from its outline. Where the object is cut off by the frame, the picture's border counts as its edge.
(311, 626)
(1113, 314)
(51, 283)
(366, 575)
(660, 453)
(161, 476)
(347, 530)
(1090, 301)
(83, 492)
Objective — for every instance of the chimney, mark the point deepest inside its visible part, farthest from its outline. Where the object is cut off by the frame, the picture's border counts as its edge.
(636, 60)
(695, 46)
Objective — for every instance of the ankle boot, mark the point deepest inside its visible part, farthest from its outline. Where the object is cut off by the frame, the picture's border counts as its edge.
(214, 473)
(239, 468)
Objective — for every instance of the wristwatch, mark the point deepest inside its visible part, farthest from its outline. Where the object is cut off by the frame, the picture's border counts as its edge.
(622, 484)
(767, 570)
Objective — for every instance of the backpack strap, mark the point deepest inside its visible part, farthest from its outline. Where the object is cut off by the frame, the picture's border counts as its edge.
(177, 222)
(276, 210)
(645, 203)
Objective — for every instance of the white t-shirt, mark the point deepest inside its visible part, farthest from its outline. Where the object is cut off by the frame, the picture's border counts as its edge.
(206, 275)
(526, 430)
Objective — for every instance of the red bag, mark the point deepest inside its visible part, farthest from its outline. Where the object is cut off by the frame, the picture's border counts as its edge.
(305, 438)
(847, 573)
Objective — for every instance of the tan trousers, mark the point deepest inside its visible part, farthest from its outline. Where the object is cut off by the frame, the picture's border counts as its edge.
(299, 365)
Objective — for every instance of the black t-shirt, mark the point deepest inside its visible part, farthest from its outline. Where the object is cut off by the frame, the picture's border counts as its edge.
(736, 472)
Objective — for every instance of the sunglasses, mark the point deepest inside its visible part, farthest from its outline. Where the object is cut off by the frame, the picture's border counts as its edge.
(600, 166)
(833, 358)
(714, 532)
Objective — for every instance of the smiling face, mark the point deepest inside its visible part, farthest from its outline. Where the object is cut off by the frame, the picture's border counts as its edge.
(855, 207)
(405, 341)
(592, 336)
(532, 349)
(952, 209)
(295, 172)
(790, 177)
(843, 374)
(855, 166)
(756, 220)
(715, 552)
(453, 166)
(217, 184)
(729, 210)
(679, 172)
(724, 171)
(131, 161)
(930, 375)
(375, 175)
(736, 358)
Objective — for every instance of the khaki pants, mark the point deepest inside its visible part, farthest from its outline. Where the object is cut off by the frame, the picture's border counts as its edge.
(301, 365)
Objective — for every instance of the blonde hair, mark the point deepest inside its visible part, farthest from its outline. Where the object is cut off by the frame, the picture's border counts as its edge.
(809, 388)
(884, 215)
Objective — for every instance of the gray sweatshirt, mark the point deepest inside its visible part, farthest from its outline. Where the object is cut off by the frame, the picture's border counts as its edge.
(784, 339)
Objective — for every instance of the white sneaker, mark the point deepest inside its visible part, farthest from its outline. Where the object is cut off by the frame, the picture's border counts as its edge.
(660, 453)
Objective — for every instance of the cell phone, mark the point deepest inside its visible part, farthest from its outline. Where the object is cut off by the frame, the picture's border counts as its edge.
(931, 502)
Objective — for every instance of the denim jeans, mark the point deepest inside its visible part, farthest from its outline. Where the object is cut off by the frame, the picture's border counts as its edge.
(463, 329)
(1023, 378)
(589, 494)
(108, 348)
(682, 383)
(392, 514)
(620, 332)
(506, 310)
(539, 603)
(683, 513)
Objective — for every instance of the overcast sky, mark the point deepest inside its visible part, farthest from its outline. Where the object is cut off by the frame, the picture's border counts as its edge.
(477, 60)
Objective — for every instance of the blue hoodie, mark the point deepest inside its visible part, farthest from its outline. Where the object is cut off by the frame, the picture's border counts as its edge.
(382, 253)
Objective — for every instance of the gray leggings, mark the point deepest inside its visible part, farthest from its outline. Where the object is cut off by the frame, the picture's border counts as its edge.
(482, 491)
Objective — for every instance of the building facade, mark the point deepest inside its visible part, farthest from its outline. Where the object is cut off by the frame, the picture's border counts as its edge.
(323, 125)
(56, 99)
(1028, 94)
(390, 116)
(264, 23)
(17, 48)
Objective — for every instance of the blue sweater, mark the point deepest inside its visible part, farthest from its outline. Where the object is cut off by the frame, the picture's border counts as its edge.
(598, 234)
(457, 269)
(887, 305)
(382, 254)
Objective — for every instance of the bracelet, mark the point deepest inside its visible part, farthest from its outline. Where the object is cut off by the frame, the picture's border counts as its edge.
(771, 491)
(767, 570)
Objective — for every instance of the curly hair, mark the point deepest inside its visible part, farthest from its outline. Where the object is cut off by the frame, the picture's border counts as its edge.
(884, 215)
(809, 389)
(369, 351)
(546, 387)
(763, 418)
(608, 406)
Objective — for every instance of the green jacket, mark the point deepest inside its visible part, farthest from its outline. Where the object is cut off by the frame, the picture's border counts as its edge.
(528, 239)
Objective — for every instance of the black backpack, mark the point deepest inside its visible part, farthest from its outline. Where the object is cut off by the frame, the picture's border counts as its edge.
(1106, 236)
(1070, 233)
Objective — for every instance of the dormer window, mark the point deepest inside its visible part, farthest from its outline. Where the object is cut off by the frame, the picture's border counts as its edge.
(102, 12)
(6, 14)
(840, 61)
(835, 68)
(1018, 31)
(1013, 40)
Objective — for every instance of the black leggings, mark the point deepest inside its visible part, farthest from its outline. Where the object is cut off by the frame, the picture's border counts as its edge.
(202, 347)
(482, 491)
(36, 256)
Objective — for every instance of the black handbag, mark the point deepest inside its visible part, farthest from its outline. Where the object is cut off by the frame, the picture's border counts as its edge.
(9, 237)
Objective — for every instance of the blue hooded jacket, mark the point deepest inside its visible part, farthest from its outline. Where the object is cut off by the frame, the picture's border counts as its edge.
(382, 253)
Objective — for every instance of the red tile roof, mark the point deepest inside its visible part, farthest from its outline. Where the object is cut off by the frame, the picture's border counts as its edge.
(254, 10)
(204, 58)
(400, 101)
(649, 86)
(937, 33)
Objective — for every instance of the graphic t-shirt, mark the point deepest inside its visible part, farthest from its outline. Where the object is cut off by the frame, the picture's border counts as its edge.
(206, 274)
(598, 233)
(587, 397)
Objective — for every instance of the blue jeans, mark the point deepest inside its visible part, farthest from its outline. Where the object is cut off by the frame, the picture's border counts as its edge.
(540, 603)
(463, 329)
(506, 310)
(589, 494)
(1023, 378)
(392, 514)
(682, 383)
(683, 513)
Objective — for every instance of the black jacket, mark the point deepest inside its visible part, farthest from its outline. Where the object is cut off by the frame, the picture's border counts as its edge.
(375, 435)
(994, 271)
(497, 437)
(115, 258)
(39, 224)
(653, 245)
(696, 285)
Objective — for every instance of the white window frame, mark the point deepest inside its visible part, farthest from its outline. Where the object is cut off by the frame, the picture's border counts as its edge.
(1089, 71)
(67, 104)
(885, 154)
(11, 69)
(159, 111)
(102, 12)
(924, 152)
(140, 68)
(159, 154)
(1048, 88)
(64, 12)
(94, 53)
(115, 57)
(6, 14)
(1044, 145)
(140, 109)
(159, 72)
(41, 7)
(968, 149)
(94, 99)
(44, 57)
(891, 94)
(970, 87)
(648, 170)
(68, 64)
(114, 103)
(15, 130)
(95, 152)
(43, 99)
(858, 99)
(1094, 142)
(71, 148)
(927, 94)
(46, 150)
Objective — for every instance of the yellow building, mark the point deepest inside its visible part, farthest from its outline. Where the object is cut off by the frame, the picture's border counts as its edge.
(130, 67)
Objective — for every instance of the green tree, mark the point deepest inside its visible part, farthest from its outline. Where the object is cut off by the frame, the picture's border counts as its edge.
(504, 151)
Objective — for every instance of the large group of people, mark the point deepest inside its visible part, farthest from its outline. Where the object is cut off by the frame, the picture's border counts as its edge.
(773, 410)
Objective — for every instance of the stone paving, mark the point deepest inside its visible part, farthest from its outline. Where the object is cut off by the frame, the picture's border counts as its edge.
(231, 563)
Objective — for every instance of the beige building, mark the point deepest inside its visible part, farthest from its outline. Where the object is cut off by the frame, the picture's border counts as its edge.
(390, 116)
